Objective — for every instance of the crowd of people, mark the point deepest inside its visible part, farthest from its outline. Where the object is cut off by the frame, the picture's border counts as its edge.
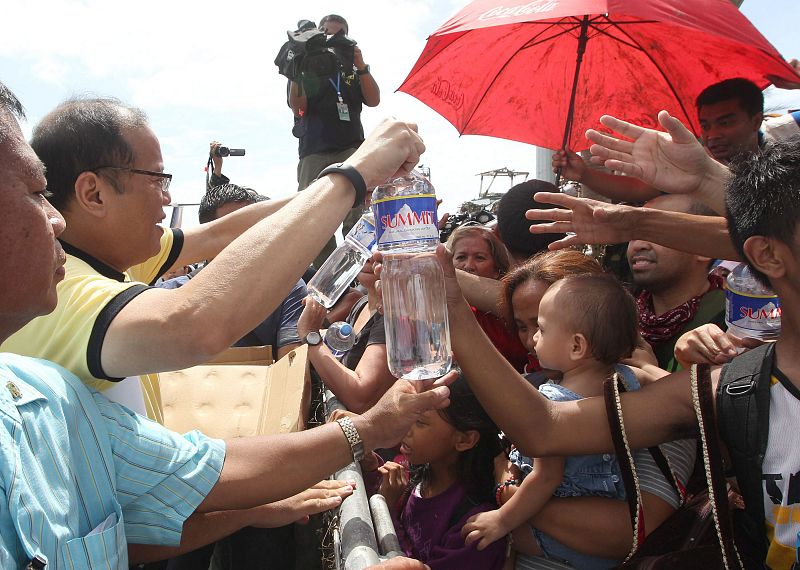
(507, 461)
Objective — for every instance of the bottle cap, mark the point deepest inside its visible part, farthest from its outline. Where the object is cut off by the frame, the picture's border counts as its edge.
(346, 330)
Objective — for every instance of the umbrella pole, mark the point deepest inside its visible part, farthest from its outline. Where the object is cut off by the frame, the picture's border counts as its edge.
(582, 40)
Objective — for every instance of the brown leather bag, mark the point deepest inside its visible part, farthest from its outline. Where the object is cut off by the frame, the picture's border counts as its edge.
(691, 537)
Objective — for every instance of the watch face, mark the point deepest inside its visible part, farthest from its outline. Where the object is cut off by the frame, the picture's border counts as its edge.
(313, 338)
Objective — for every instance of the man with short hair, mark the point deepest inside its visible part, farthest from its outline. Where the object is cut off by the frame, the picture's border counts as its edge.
(221, 200)
(677, 293)
(80, 477)
(730, 114)
(512, 226)
(106, 173)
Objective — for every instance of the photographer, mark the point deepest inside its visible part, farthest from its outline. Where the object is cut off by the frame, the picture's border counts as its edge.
(215, 153)
(326, 98)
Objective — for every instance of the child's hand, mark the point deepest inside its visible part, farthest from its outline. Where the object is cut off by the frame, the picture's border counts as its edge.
(393, 483)
(484, 528)
(370, 462)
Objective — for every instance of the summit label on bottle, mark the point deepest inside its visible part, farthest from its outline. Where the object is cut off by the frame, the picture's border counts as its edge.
(753, 313)
(406, 218)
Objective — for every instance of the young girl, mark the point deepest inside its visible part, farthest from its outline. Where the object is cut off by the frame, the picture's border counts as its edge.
(586, 325)
(451, 454)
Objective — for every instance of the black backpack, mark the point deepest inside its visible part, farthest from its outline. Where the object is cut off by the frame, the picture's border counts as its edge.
(743, 424)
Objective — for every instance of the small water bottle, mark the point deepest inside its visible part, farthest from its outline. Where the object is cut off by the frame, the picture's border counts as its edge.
(339, 270)
(414, 301)
(751, 309)
(339, 338)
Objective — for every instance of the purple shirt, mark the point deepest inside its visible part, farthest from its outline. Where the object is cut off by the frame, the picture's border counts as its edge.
(426, 534)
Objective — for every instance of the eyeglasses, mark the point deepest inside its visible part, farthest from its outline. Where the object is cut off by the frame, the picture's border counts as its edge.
(164, 179)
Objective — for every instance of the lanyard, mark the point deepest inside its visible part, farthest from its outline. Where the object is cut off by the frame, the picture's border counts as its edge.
(337, 86)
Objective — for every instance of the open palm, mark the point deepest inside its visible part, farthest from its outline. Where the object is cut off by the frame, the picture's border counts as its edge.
(674, 162)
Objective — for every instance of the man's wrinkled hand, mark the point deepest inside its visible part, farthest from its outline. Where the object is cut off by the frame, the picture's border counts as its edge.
(392, 416)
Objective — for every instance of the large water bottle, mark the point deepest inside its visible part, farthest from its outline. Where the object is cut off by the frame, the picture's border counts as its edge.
(751, 309)
(339, 270)
(339, 338)
(414, 301)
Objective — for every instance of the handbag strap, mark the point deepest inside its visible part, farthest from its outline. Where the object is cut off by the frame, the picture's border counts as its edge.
(659, 457)
(611, 390)
(702, 400)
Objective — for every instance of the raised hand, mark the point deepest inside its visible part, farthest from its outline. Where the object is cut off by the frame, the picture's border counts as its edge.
(571, 164)
(394, 482)
(674, 162)
(312, 317)
(585, 221)
(392, 149)
(213, 152)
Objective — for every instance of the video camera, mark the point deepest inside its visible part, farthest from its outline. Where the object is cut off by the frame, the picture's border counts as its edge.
(480, 217)
(309, 50)
(224, 151)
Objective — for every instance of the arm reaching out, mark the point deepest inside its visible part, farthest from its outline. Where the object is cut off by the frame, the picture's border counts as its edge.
(592, 222)
(674, 162)
(534, 492)
(709, 344)
(619, 188)
(169, 329)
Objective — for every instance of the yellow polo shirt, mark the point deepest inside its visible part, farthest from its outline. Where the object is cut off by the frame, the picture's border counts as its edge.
(89, 298)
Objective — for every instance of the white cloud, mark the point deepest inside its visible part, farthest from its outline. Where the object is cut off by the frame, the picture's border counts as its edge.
(204, 70)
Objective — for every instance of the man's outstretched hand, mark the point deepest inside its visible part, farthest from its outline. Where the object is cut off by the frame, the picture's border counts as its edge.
(673, 162)
(584, 221)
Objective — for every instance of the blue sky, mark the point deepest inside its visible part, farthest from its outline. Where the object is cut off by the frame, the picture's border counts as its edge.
(203, 70)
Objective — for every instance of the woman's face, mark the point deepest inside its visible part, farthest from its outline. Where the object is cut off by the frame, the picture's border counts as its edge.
(525, 306)
(473, 255)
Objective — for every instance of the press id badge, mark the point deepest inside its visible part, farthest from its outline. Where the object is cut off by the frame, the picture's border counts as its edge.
(344, 111)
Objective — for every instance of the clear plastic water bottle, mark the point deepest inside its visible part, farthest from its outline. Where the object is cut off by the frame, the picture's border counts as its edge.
(339, 270)
(339, 338)
(751, 309)
(414, 301)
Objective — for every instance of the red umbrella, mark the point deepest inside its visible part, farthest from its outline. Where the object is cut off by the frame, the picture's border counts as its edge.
(543, 71)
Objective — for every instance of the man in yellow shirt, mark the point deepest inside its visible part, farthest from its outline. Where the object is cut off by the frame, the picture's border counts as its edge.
(106, 175)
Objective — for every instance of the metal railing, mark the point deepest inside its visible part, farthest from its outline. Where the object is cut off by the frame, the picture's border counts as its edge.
(365, 533)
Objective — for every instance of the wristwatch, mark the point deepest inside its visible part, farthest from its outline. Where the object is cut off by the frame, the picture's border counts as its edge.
(364, 71)
(353, 175)
(351, 433)
(313, 338)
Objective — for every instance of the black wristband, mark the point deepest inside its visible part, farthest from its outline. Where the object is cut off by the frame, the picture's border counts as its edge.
(353, 176)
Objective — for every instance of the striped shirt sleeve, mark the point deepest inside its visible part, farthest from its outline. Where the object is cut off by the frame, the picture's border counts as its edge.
(162, 476)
